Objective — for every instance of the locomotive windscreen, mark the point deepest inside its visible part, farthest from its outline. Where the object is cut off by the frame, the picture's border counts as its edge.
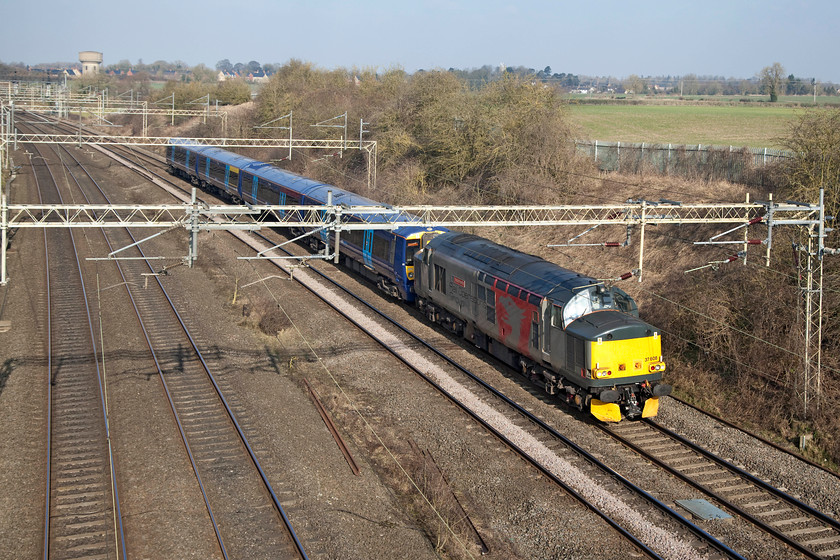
(587, 300)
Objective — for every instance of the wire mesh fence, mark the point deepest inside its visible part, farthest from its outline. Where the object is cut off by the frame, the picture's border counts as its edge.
(740, 165)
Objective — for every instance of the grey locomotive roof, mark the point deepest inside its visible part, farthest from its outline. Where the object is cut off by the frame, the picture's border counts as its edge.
(526, 271)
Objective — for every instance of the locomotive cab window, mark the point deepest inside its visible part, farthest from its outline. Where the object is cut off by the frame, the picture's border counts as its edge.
(411, 247)
(586, 301)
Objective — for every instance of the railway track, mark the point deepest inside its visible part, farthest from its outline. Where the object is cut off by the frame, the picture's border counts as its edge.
(81, 511)
(799, 526)
(246, 514)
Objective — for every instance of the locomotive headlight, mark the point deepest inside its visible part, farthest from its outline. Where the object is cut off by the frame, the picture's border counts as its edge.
(409, 274)
(600, 373)
(659, 366)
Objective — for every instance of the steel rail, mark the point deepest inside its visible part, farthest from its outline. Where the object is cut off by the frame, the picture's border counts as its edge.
(727, 465)
(275, 500)
(762, 439)
(120, 535)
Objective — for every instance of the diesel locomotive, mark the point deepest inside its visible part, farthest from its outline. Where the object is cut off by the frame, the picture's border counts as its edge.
(568, 333)
(574, 336)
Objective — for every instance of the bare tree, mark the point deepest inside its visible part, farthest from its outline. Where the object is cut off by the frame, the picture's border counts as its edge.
(772, 78)
(634, 84)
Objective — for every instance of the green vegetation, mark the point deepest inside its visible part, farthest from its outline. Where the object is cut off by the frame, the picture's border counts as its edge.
(721, 125)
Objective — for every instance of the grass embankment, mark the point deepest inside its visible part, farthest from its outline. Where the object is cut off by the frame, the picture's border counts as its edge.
(720, 125)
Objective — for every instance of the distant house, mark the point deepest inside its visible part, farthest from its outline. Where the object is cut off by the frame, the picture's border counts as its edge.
(225, 75)
(258, 77)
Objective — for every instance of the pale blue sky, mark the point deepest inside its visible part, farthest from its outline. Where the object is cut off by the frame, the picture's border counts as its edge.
(730, 38)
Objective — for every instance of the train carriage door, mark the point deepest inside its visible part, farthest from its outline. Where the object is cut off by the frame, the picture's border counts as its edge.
(366, 248)
(254, 185)
(227, 176)
(545, 307)
(282, 202)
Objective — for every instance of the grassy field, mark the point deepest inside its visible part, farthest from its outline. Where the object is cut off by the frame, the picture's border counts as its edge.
(723, 125)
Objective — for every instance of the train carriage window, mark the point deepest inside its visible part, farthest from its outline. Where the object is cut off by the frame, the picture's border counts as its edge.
(217, 171)
(354, 237)
(557, 316)
(381, 247)
(179, 155)
(534, 300)
(513, 291)
(234, 176)
(480, 293)
(501, 285)
(491, 306)
(268, 187)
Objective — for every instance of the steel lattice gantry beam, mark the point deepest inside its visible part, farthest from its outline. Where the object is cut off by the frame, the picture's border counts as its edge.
(197, 217)
(390, 217)
(87, 138)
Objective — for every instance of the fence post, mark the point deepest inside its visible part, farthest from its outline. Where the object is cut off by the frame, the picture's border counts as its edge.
(642, 158)
(618, 157)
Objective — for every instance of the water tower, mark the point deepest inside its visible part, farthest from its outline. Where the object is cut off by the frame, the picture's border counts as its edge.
(90, 62)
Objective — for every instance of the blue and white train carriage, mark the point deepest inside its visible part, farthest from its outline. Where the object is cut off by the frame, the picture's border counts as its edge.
(386, 257)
